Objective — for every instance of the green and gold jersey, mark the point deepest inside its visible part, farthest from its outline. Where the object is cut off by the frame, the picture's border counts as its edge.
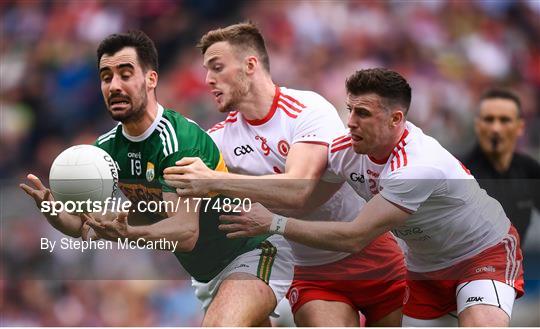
(141, 161)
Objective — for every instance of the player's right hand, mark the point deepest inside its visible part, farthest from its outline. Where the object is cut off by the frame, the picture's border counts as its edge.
(39, 192)
(88, 233)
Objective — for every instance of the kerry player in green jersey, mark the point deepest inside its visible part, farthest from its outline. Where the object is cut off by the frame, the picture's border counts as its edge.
(239, 282)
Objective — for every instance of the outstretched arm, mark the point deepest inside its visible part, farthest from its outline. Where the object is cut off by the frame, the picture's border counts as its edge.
(322, 192)
(305, 164)
(64, 222)
(376, 217)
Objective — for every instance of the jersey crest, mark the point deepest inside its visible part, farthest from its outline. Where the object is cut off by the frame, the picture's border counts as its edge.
(150, 172)
(283, 148)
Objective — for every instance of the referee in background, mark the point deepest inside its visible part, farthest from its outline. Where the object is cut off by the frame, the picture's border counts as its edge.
(510, 177)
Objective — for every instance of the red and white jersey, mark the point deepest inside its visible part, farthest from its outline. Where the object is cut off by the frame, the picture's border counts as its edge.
(452, 218)
(260, 147)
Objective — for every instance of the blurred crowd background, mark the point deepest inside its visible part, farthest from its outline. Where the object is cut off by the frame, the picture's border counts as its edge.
(450, 52)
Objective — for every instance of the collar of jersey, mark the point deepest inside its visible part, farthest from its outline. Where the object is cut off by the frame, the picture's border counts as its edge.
(396, 148)
(148, 131)
(270, 114)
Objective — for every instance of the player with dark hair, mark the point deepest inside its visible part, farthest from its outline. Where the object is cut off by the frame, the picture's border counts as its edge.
(462, 252)
(507, 175)
(274, 141)
(238, 274)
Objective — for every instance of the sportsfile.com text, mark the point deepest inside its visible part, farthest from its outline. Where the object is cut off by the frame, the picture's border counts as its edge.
(235, 205)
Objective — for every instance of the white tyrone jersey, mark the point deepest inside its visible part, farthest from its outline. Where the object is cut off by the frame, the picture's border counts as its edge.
(260, 147)
(452, 217)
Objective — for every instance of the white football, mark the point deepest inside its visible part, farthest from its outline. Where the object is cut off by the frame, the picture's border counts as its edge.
(83, 172)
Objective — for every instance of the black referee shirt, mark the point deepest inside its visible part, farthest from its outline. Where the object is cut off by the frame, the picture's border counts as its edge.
(517, 189)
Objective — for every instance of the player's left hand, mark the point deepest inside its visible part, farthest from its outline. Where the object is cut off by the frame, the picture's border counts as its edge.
(113, 230)
(190, 176)
(255, 222)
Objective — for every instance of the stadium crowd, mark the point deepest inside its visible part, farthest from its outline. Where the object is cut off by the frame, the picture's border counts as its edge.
(450, 51)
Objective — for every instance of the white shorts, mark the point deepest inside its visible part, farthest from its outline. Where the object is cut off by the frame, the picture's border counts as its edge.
(477, 292)
(275, 266)
(485, 292)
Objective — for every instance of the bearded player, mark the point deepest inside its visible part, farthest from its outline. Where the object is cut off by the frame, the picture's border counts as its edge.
(463, 255)
(235, 280)
(278, 136)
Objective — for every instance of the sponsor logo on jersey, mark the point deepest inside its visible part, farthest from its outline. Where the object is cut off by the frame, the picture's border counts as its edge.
(283, 148)
(243, 150)
(133, 155)
(114, 173)
(150, 173)
(485, 269)
(474, 299)
(264, 145)
(240, 266)
(355, 177)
